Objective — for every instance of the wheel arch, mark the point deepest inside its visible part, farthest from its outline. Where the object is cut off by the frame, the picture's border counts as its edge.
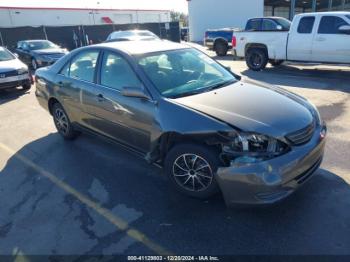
(256, 45)
(169, 139)
(51, 102)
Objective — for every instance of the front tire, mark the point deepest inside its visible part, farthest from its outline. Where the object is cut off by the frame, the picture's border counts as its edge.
(26, 86)
(191, 168)
(256, 59)
(62, 122)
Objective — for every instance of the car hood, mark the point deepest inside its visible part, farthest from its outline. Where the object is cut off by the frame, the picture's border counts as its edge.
(49, 51)
(253, 107)
(10, 65)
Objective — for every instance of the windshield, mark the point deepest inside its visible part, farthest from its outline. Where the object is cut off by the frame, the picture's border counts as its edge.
(285, 23)
(41, 45)
(6, 55)
(184, 72)
(122, 34)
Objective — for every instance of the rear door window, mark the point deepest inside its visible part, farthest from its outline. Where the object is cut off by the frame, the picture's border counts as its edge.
(253, 25)
(306, 25)
(331, 24)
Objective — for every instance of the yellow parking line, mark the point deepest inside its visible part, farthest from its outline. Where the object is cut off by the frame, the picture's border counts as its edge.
(115, 220)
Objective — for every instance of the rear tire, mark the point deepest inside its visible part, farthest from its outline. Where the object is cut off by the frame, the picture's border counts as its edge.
(256, 59)
(276, 62)
(191, 168)
(221, 48)
(62, 122)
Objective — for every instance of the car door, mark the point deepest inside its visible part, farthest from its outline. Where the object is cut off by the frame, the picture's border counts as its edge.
(126, 119)
(331, 45)
(301, 39)
(76, 82)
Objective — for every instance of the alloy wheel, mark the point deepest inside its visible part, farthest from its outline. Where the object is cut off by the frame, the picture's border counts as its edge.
(192, 172)
(61, 121)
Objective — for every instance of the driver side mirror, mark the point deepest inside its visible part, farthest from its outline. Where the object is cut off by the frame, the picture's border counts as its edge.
(138, 92)
(345, 29)
(279, 27)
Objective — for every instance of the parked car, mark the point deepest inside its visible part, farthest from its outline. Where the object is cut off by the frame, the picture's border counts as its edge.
(322, 37)
(13, 72)
(38, 53)
(219, 40)
(179, 108)
(132, 35)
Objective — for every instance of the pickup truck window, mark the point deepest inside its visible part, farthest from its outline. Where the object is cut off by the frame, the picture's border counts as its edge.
(306, 24)
(331, 24)
(269, 25)
(253, 25)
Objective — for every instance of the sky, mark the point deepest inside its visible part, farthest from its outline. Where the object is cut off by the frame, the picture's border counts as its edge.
(177, 5)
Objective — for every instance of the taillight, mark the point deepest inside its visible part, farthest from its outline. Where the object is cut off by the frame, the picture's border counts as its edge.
(234, 41)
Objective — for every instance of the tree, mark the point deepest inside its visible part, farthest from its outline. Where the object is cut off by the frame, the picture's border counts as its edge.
(179, 17)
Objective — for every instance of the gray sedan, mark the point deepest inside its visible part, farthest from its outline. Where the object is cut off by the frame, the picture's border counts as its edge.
(177, 107)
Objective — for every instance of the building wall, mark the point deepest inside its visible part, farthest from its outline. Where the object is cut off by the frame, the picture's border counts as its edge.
(16, 17)
(208, 14)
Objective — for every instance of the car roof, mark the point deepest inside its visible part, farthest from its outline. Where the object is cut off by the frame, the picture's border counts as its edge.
(144, 47)
(325, 13)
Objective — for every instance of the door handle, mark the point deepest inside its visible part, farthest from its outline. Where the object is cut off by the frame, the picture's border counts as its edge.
(100, 98)
(320, 39)
(60, 83)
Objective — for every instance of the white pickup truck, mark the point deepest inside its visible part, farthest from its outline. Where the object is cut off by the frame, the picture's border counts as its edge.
(313, 37)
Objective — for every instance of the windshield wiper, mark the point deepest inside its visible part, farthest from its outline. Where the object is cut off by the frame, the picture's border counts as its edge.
(219, 85)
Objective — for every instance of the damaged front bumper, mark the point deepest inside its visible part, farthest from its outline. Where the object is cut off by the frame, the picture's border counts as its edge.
(272, 180)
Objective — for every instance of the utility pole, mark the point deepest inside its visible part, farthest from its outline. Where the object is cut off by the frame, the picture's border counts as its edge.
(292, 9)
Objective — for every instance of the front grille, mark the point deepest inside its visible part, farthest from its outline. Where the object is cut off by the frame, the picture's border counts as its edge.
(55, 56)
(302, 136)
(9, 73)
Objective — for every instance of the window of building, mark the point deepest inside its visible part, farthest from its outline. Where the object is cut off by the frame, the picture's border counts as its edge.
(331, 24)
(306, 25)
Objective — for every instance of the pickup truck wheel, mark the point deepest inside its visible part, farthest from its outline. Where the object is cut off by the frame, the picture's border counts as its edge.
(62, 122)
(221, 48)
(256, 59)
(191, 168)
(276, 62)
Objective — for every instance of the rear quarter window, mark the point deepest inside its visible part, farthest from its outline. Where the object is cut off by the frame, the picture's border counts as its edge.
(306, 25)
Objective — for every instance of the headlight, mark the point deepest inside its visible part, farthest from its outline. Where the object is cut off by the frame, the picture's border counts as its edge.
(251, 148)
(22, 70)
